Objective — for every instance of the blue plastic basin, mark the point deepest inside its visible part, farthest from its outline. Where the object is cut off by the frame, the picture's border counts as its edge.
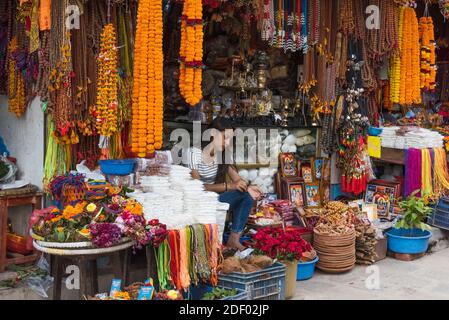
(374, 131)
(117, 167)
(306, 270)
(408, 241)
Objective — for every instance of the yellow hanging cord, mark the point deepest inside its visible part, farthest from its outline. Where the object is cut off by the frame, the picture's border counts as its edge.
(426, 173)
(441, 176)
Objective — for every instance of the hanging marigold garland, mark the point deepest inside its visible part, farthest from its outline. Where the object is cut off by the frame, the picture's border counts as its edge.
(148, 95)
(410, 92)
(107, 83)
(428, 68)
(395, 63)
(16, 83)
(191, 52)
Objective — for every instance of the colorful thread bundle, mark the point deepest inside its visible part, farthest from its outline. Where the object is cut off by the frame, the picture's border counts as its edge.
(189, 256)
(191, 52)
(426, 171)
(148, 91)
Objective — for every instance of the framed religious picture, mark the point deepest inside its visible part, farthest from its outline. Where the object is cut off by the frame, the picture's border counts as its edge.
(307, 173)
(317, 168)
(297, 194)
(313, 195)
(385, 195)
(325, 189)
(289, 165)
(326, 169)
(382, 197)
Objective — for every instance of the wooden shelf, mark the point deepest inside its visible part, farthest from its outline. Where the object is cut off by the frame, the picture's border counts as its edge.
(393, 156)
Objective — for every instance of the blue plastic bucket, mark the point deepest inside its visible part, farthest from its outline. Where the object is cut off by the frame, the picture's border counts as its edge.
(306, 270)
(408, 241)
(117, 167)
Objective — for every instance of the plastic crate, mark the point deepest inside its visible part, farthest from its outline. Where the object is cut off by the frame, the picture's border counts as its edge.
(266, 284)
(440, 214)
(197, 293)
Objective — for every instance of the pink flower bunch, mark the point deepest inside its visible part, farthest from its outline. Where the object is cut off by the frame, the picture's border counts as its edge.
(105, 234)
(158, 232)
(134, 227)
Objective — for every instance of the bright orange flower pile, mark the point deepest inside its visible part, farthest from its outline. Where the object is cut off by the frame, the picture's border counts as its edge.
(16, 84)
(107, 83)
(410, 91)
(191, 52)
(428, 68)
(148, 93)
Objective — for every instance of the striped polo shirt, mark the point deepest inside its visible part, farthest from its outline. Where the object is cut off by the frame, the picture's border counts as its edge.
(194, 160)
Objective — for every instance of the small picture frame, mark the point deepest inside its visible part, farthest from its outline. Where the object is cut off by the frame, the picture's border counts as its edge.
(307, 173)
(289, 165)
(313, 195)
(325, 189)
(297, 194)
(326, 169)
(317, 168)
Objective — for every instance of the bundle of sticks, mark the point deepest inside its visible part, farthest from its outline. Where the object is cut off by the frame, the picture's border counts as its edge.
(365, 244)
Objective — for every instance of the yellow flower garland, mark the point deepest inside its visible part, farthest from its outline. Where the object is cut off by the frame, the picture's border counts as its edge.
(191, 52)
(395, 64)
(148, 95)
(107, 83)
(16, 84)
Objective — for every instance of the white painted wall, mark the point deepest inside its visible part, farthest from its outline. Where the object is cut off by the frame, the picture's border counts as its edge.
(24, 138)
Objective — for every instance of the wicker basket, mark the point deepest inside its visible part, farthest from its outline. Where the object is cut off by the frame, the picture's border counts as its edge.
(72, 193)
(96, 190)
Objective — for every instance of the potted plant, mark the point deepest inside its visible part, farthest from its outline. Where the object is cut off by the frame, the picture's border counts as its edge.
(286, 246)
(410, 234)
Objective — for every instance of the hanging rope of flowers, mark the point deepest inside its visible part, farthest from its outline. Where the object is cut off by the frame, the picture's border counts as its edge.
(428, 67)
(410, 60)
(395, 63)
(148, 95)
(191, 52)
(107, 83)
(16, 83)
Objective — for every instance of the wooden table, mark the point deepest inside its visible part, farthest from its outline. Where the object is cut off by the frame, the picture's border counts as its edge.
(86, 260)
(35, 200)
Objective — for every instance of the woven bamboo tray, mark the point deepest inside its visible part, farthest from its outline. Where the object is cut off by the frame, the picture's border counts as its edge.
(83, 251)
(67, 245)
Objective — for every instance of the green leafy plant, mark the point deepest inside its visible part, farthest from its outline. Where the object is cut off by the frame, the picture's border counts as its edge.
(219, 293)
(414, 213)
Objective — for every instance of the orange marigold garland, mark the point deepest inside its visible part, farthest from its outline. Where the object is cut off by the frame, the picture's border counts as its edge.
(107, 83)
(148, 95)
(410, 92)
(191, 52)
(428, 67)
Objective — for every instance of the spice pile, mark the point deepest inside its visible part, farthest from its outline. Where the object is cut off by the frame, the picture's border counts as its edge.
(334, 238)
(336, 219)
